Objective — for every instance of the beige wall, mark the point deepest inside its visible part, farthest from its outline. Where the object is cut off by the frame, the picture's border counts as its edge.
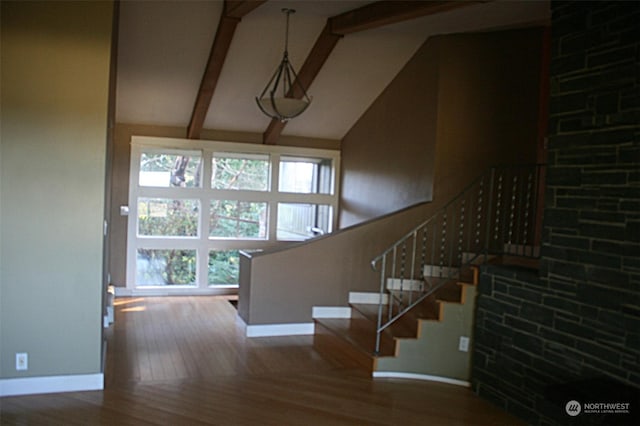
(54, 79)
(485, 114)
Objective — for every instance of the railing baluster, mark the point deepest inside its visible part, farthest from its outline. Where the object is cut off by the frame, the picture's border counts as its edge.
(461, 233)
(479, 213)
(423, 252)
(497, 227)
(383, 278)
(442, 242)
(489, 211)
(433, 247)
(512, 210)
(413, 266)
(468, 247)
(527, 214)
(451, 243)
(393, 274)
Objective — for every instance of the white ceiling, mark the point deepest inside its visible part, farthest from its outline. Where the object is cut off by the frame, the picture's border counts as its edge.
(164, 47)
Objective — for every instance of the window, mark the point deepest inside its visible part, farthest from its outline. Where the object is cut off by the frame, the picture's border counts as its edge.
(193, 210)
(301, 221)
(167, 217)
(224, 267)
(240, 171)
(166, 169)
(165, 267)
(305, 175)
(238, 219)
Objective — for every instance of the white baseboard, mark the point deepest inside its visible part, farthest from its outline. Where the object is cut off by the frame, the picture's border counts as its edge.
(415, 376)
(331, 312)
(51, 384)
(269, 330)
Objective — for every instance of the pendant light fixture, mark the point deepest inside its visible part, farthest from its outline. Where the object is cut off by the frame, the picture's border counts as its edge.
(278, 99)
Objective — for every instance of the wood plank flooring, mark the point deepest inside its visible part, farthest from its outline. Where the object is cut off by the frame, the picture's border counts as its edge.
(185, 361)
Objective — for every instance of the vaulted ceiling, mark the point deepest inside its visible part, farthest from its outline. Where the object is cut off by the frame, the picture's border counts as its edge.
(164, 49)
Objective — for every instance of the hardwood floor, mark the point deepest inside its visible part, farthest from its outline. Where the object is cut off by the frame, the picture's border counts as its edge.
(185, 361)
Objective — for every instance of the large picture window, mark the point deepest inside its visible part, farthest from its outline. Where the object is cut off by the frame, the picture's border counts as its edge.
(191, 210)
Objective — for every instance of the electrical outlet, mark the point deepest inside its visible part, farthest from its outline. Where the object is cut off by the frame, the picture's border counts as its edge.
(22, 361)
(463, 346)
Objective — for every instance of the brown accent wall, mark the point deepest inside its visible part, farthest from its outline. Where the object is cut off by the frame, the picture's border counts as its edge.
(487, 105)
(462, 104)
(478, 107)
(388, 155)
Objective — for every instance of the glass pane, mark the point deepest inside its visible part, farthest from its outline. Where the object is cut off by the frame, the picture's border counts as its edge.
(168, 218)
(302, 221)
(170, 170)
(238, 219)
(305, 175)
(247, 172)
(165, 267)
(224, 267)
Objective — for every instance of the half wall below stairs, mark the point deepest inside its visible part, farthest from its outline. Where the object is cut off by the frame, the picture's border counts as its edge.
(436, 352)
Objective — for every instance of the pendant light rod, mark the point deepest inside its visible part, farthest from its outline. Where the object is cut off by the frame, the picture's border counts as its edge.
(286, 31)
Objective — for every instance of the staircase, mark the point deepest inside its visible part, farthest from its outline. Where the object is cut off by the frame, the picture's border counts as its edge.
(354, 337)
(421, 319)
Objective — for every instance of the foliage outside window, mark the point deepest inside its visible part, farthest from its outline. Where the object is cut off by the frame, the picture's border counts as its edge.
(237, 219)
(170, 170)
(240, 172)
(224, 267)
(167, 218)
(165, 267)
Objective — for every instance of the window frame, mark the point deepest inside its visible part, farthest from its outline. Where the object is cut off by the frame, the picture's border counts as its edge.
(204, 243)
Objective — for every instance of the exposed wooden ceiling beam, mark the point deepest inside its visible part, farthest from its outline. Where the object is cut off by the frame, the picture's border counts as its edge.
(240, 8)
(386, 12)
(232, 12)
(370, 16)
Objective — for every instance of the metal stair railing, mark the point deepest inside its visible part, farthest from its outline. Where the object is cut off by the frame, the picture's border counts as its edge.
(495, 215)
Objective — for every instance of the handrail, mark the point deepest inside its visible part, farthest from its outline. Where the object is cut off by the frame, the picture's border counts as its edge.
(493, 215)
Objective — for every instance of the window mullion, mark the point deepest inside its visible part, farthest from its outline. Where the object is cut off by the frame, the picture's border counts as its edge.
(274, 196)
